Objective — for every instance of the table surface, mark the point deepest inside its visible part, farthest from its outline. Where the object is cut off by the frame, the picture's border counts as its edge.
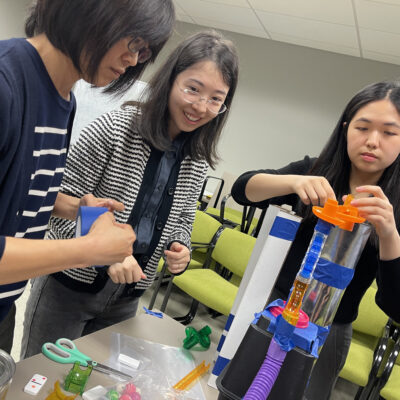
(97, 345)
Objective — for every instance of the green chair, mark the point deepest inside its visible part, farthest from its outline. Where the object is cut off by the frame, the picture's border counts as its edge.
(203, 232)
(242, 220)
(369, 344)
(232, 251)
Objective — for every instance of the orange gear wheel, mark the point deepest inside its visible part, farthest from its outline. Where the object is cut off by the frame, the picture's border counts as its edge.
(329, 212)
(349, 214)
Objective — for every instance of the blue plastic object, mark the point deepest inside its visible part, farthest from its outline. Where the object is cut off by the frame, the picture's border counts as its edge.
(86, 217)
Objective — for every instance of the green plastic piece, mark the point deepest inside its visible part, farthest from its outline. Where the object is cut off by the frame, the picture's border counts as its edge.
(77, 378)
(193, 337)
(113, 395)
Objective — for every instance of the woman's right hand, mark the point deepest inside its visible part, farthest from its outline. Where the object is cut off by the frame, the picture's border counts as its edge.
(128, 271)
(315, 190)
(109, 242)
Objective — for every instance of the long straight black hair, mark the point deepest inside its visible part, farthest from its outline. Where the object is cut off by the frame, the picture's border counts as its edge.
(334, 163)
(202, 142)
(92, 27)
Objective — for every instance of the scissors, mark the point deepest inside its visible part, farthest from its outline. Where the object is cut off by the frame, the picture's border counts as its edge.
(64, 351)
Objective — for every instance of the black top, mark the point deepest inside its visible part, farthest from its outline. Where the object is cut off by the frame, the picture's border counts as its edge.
(369, 267)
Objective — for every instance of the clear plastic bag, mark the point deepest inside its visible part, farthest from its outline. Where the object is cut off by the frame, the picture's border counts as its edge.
(158, 369)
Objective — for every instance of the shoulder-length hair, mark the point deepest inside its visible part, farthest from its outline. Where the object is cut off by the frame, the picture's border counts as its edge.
(334, 164)
(202, 142)
(92, 27)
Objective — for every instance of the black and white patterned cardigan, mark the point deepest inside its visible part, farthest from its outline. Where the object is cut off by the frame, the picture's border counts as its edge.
(109, 160)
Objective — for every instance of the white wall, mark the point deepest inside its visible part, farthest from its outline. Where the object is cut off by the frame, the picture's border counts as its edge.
(288, 100)
(12, 17)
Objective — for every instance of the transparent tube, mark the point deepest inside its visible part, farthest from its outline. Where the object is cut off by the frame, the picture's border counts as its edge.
(343, 248)
(291, 312)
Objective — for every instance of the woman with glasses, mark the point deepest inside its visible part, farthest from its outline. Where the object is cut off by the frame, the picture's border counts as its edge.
(108, 43)
(153, 158)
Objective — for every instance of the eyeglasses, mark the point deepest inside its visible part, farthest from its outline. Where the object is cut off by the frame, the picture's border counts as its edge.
(138, 45)
(213, 105)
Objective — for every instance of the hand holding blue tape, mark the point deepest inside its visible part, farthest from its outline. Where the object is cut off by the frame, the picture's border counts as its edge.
(86, 217)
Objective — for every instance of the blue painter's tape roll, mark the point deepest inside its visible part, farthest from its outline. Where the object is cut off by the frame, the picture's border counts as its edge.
(86, 217)
(284, 228)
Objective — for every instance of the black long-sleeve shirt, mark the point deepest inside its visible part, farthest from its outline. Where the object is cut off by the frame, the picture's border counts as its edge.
(369, 267)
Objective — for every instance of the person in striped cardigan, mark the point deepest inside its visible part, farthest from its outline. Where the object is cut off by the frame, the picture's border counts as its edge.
(152, 157)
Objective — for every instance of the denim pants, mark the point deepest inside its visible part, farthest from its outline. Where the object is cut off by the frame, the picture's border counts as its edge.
(54, 311)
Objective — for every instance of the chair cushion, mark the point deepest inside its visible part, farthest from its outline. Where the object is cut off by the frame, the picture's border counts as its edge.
(220, 294)
(371, 319)
(233, 250)
(359, 360)
(204, 228)
(391, 391)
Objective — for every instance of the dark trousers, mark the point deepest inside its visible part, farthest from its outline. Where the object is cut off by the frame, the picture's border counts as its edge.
(7, 330)
(54, 311)
(330, 362)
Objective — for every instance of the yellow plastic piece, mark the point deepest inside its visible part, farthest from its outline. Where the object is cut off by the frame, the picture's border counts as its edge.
(58, 394)
(291, 312)
(196, 373)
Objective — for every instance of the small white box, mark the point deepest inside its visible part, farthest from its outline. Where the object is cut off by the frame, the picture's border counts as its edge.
(35, 384)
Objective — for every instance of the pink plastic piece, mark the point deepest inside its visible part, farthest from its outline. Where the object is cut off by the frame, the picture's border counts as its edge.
(303, 321)
(125, 397)
(129, 389)
(136, 396)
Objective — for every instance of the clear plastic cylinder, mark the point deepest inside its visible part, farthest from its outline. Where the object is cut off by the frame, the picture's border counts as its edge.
(7, 370)
(343, 248)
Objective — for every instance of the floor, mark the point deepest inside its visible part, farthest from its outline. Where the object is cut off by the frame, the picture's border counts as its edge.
(178, 305)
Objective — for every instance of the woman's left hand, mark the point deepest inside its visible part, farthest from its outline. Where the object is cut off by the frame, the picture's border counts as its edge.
(92, 201)
(177, 257)
(377, 210)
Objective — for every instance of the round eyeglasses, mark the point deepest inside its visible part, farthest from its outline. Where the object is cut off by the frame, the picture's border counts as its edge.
(213, 105)
(138, 45)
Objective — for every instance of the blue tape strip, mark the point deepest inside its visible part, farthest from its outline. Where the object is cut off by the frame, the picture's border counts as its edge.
(220, 364)
(333, 274)
(154, 313)
(284, 228)
(221, 343)
(229, 322)
(86, 217)
(304, 338)
(284, 333)
(323, 333)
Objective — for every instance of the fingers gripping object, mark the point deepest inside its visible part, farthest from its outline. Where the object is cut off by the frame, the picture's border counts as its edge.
(86, 217)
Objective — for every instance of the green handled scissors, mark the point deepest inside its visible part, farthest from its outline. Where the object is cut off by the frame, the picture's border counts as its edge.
(64, 351)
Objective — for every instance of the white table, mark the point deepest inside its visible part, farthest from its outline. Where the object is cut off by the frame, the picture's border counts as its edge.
(97, 345)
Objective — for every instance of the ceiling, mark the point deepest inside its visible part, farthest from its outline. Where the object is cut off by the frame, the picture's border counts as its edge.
(368, 29)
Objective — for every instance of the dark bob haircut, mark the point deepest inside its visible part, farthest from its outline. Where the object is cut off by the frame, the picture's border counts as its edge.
(203, 46)
(334, 163)
(92, 27)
